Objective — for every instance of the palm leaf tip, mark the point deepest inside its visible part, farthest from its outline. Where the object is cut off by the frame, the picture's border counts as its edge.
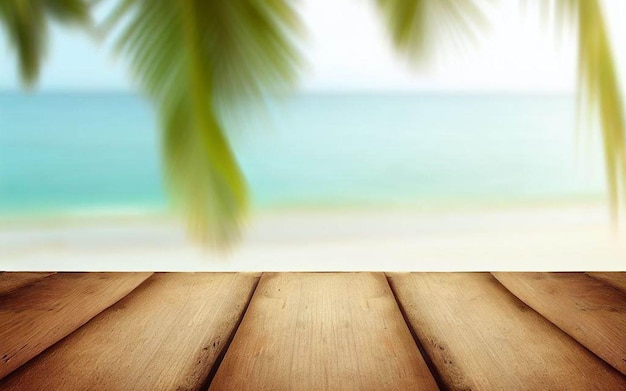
(414, 25)
(26, 26)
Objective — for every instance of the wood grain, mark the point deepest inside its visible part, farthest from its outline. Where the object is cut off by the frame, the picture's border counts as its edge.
(38, 315)
(165, 335)
(481, 337)
(590, 311)
(10, 281)
(615, 279)
(323, 331)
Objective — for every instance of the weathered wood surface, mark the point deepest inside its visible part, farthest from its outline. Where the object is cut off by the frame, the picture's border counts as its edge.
(165, 335)
(323, 331)
(590, 311)
(615, 279)
(38, 315)
(481, 337)
(10, 281)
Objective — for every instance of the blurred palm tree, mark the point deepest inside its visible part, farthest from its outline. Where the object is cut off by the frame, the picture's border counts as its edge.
(198, 58)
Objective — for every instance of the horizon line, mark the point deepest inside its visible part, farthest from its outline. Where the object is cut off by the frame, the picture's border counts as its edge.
(305, 92)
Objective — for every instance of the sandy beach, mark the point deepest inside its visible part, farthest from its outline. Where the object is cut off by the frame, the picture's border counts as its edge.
(540, 238)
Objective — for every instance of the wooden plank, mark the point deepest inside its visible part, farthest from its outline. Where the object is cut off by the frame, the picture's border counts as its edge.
(481, 337)
(323, 331)
(166, 335)
(590, 311)
(36, 316)
(615, 279)
(10, 281)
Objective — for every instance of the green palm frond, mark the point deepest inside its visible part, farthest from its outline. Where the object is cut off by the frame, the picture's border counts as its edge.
(190, 57)
(26, 25)
(416, 25)
(598, 88)
(598, 81)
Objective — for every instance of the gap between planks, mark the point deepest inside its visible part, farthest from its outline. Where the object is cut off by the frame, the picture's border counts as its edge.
(479, 336)
(323, 331)
(10, 281)
(166, 334)
(615, 279)
(587, 309)
(37, 315)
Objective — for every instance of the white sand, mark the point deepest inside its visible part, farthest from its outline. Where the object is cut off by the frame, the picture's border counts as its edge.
(523, 238)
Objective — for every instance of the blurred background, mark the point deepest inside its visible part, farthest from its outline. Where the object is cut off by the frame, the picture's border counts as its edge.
(473, 160)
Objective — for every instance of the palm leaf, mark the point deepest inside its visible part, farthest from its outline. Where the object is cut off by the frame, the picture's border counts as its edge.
(598, 88)
(26, 25)
(191, 57)
(415, 25)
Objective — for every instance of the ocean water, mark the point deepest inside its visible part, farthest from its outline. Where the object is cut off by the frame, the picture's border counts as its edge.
(88, 152)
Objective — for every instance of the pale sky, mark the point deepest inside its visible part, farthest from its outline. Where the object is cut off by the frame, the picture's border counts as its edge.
(347, 49)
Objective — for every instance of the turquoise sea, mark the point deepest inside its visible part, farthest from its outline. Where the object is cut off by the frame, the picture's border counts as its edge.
(67, 152)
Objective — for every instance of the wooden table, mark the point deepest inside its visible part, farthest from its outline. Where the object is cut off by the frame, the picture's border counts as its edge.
(312, 331)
